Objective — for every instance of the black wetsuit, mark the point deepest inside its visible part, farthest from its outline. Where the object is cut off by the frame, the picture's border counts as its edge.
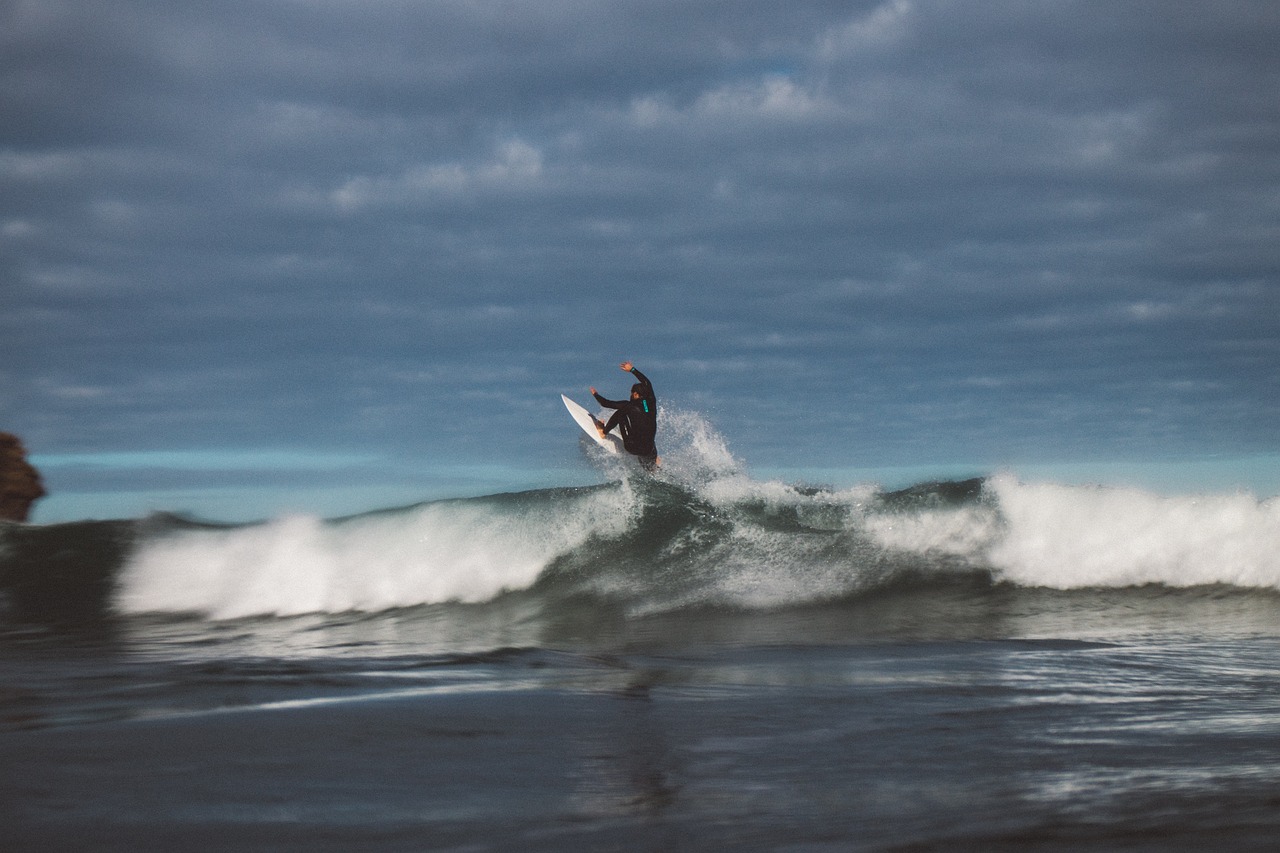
(637, 420)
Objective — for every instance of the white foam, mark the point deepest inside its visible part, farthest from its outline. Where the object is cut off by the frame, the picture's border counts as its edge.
(963, 532)
(464, 551)
(1068, 537)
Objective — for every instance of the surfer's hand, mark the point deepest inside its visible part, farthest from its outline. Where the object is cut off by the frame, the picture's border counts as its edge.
(626, 365)
(593, 390)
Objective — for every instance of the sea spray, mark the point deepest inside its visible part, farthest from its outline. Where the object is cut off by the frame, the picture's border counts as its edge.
(710, 535)
(692, 451)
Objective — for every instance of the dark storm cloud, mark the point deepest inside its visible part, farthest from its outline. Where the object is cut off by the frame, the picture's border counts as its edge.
(945, 229)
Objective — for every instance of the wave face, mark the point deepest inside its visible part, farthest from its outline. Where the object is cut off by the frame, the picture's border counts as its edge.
(701, 533)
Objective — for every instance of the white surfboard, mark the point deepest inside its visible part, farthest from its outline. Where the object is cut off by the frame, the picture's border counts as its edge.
(609, 442)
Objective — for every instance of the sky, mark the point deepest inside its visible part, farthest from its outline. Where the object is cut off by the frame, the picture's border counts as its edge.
(322, 255)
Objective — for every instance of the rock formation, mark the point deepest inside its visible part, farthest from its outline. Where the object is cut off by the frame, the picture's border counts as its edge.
(20, 484)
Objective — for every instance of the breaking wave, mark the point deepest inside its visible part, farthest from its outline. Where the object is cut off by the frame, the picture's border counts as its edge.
(701, 533)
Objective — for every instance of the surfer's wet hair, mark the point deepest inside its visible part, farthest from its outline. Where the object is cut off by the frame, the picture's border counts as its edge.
(637, 389)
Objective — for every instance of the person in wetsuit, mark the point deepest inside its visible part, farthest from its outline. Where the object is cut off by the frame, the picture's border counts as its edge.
(636, 418)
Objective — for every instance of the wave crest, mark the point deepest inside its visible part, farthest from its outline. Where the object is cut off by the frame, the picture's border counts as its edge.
(701, 533)
(1069, 537)
(659, 544)
(467, 551)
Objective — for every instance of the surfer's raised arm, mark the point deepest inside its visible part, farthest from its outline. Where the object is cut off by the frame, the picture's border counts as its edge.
(634, 371)
(643, 389)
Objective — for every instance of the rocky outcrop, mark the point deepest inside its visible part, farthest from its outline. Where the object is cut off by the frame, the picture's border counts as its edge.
(20, 484)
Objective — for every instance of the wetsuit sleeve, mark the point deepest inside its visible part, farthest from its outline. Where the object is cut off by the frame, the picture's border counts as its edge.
(609, 404)
(649, 400)
(644, 380)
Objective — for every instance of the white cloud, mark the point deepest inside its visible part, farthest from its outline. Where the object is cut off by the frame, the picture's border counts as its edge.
(772, 98)
(738, 107)
(514, 165)
(41, 166)
(69, 279)
(881, 28)
(77, 392)
(18, 229)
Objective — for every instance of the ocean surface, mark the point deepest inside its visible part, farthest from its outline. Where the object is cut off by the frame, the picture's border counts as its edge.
(696, 660)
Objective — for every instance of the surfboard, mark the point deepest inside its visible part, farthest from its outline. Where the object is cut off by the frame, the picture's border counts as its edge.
(583, 418)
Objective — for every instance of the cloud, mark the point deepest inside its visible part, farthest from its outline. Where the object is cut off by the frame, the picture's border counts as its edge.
(515, 165)
(966, 230)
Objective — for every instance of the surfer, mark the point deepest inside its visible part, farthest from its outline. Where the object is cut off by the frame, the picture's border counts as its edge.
(636, 418)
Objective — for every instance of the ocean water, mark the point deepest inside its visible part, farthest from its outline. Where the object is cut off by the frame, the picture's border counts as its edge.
(693, 660)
